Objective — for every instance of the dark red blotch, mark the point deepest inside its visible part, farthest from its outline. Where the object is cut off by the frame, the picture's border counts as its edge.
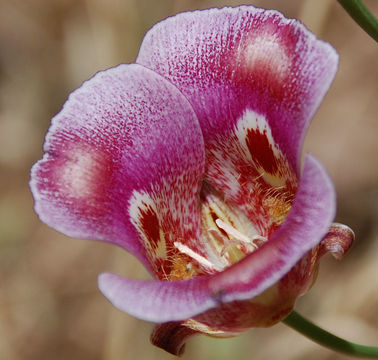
(150, 226)
(261, 150)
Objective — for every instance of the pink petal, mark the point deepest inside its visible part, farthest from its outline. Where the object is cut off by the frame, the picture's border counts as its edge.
(254, 80)
(158, 301)
(125, 147)
(227, 61)
(306, 225)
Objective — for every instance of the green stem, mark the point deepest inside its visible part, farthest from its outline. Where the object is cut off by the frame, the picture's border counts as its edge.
(324, 338)
(362, 16)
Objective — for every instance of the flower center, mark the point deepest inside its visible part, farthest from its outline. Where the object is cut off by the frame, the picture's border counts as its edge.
(228, 236)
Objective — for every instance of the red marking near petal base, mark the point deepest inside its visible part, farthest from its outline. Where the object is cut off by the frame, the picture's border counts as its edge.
(150, 226)
(261, 150)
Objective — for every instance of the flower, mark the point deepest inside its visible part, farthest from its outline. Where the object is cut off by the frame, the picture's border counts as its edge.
(190, 160)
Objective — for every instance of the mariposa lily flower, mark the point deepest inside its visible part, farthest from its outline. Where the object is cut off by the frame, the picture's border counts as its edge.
(190, 159)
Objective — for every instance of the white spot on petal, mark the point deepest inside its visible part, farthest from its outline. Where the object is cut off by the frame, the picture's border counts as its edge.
(266, 51)
(82, 173)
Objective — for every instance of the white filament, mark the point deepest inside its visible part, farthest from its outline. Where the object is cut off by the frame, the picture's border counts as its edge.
(237, 235)
(199, 258)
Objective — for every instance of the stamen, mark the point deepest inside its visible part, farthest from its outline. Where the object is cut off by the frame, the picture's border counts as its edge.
(232, 231)
(199, 258)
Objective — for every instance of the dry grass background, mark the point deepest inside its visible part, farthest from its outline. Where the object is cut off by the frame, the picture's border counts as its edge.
(50, 307)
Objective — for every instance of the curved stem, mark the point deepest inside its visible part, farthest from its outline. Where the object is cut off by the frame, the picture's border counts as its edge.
(362, 16)
(324, 338)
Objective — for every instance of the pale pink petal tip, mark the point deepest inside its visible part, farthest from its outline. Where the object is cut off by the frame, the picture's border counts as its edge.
(157, 301)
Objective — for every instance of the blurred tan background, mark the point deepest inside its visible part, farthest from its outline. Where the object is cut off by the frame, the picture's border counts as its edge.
(50, 307)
